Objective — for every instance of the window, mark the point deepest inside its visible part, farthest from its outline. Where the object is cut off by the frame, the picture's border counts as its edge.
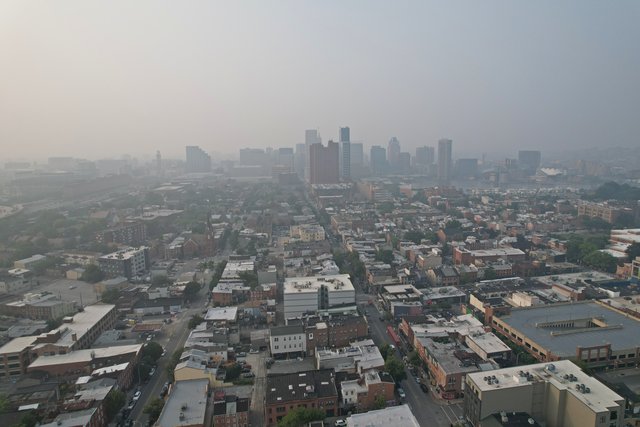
(275, 339)
(310, 336)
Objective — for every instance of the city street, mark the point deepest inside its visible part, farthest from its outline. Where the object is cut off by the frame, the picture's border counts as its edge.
(426, 409)
(173, 337)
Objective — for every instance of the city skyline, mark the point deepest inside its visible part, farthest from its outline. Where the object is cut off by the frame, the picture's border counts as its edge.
(506, 77)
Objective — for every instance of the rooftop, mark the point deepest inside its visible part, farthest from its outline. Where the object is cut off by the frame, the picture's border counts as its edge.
(563, 374)
(338, 282)
(186, 404)
(590, 325)
(228, 314)
(86, 355)
(393, 415)
(298, 386)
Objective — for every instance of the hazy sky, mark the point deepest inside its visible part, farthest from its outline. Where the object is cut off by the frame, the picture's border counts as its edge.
(101, 78)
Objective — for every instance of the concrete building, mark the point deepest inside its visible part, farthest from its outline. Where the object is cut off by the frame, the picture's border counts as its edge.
(186, 404)
(529, 161)
(378, 160)
(592, 332)
(29, 263)
(444, 161)
(198, 161)
(599, 210)
(287, 341)
(391, 416)
(231, 411)
(557, 394)
(313, 389)
(130, 262)
(312, 294)
(131, 233)
(39, 306)
(324, 164)
(345, 153)
(393, 153)
(334, 331)
(363, 393)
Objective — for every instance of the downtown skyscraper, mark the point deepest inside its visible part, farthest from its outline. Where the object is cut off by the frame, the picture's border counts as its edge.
(444, 161)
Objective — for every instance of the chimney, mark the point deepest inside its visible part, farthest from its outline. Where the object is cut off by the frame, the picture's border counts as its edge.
(74, 336)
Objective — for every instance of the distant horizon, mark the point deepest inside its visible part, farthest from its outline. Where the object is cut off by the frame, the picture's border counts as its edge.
(108, 77)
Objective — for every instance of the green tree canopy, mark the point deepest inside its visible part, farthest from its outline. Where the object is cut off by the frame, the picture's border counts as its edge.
(191, 290)
(395, 368)
(113, 402)
(633, 251)
(92, 274)
(195, 320)
(301, 416)
(110, 296)
(154, 409)
(152, 350)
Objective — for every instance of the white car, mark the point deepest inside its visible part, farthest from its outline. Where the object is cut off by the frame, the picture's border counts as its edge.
(340, 423)
(401, 393)
(136, 396)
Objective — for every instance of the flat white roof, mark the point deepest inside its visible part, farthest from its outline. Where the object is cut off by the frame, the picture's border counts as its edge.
(228, 314)
(391, 416)
(83, 322)
(336, 282)
(85, 355)
(16, 345)
(599, 397)
(186, 404)
(488, 342)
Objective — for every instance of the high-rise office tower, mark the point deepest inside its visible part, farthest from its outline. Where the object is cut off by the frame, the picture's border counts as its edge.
(378, 160)
(444, 161)
(404, 162)
(158, 163)
(466, 168)
(425, 156)
(357, 154)
(299, 159)
(393, 153)
(529, 161)
(345, 153)
(311, 136)
(324, 165)
(197, 159)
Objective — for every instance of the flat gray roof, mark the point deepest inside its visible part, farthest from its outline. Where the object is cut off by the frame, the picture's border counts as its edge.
(186, 404)
(563, 341)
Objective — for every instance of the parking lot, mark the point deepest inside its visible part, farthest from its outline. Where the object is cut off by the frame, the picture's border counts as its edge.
(68, 290)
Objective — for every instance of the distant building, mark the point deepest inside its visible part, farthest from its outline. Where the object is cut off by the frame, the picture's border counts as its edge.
(529, 161)
(39, 307)
(603, 211)
(345, 153)
(444, 161)
(393, 153)
(198, 160)
(425, 156)
(357, 154)
(404, 162)
(324, 165)
(129, 263)
(378, 159)
(466, 168)
(130, 233)
(553, 394)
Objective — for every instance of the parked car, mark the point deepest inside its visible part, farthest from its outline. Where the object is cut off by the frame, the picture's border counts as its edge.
(340, 423)
(248, 375)
(401, 393)
(136, 396)
(424, 388)
(241, 354)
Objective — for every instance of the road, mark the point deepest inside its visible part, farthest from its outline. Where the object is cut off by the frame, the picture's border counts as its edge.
(426, 409)
(174, 337)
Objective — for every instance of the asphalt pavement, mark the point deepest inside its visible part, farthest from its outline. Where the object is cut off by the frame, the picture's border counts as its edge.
(428, 411)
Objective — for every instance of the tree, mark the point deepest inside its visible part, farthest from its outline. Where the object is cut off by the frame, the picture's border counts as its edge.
(379, 402)
(30, 419)
(414, 235)
(385, 350)
(414, 358)
(92, 274)
(490, 274)
(152, 350)
(160, 280)
(301, 416)
(394, 366)
(384, 255)
(195, 320)
(191, 289)
(113, 402)
(175, 358)
(232, 372)
(601, 261)
(154, 409)
(385, 208)
(633, 251)
(250, 278)
(5, 405)
(110, 296)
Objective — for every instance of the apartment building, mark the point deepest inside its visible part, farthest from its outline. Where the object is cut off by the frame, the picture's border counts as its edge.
(311, 294)
(129, 263)
(557, 394)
